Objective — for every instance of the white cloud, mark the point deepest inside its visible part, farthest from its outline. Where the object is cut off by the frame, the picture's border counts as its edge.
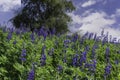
(6, 5)
(94, 22)
(89, 3)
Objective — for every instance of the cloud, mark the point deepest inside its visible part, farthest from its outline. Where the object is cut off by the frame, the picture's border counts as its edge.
(94, 22)
(6, 5)
(89, 3)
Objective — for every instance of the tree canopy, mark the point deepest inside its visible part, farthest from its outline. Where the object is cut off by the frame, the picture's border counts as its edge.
(47, 13)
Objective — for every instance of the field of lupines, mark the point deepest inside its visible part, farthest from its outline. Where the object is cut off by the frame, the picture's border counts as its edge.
(42, 55)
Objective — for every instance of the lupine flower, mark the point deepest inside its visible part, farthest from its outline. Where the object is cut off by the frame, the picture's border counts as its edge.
(32, 37)
(53, 31)
(95, 36)
(43, 60)
(117, 62)
(107, 54)
(102, 32)
(59, 68)
(87, 48)
(51, 51)
(93, 51)
(9, 36)
(75, 60)
(90, 36)
(23, 55)
(107, 69)
(75, 37)
(43, 57)
(114, 40)
(22, 59)
(85, 35)
(83, 58)
(31, 75)
(14, 42)
(91, 67)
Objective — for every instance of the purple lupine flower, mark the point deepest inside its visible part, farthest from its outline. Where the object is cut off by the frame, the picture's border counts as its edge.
(75, 60)
(117, 62)
(105, 39)
(53, 31)
(43, 59)
(17, 31)
(59, 68)
(23, 55)
(85, 35)
(90, 36)
(102, 32)
(107, 69)
(114, 40)
(14, 42)
(93, 51)
(50, 52)
(9, 36)
(75, 37)
(22, 59)
(87, 48)
(83, 58)
(32, 37)
(31, 75)
(95, 36)
(107, 54)
(91, 67)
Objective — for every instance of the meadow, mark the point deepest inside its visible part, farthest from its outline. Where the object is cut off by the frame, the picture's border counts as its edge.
(44, 55)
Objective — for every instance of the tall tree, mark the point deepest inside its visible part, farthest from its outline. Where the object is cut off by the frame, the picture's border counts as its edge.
(48, 13)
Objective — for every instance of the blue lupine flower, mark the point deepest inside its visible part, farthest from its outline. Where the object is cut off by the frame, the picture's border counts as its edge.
(14, 42)
(50, 52)
(31, 75)
(59, 68)
(95, 36)
(90, 36)
(22, 59)
(75, 60)
(53, 31)
(107, 70)
(75, 37)
(43, 57)
(83, 58)
(107, 54)
(23, 55)
(9, 36)
(43, 60)
(117, 62)
(102, 32)
(32, 37)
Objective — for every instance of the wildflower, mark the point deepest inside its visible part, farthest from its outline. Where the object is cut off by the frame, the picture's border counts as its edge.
(59, 68)
(107, 69)
(51, 51)
(53, 31)
(107, 54)
(95, 36)
(102, 32)
(83, 58)
(31, 75)
(14, 42)
(23, 55)
(9, 36)
(90, 35)
(32, 37)
(75, 60)
(43, 57)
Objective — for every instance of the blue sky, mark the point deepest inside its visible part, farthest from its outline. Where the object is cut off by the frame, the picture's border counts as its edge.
(90, 15)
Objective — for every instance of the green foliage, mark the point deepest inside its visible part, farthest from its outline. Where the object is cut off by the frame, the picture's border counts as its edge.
(12, 68)
(48, 13)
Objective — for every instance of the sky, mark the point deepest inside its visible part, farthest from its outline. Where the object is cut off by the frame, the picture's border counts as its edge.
(90, 15)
